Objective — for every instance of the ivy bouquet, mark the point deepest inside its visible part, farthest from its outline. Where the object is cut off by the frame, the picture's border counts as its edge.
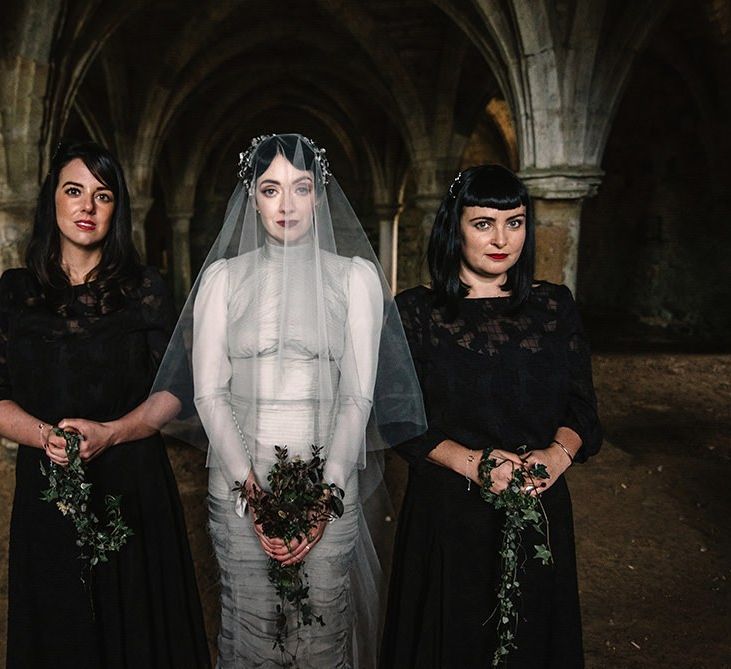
(522, 511)
(298, 501)
(70, 491)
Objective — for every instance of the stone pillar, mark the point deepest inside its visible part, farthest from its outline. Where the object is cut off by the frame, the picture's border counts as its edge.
(428, 205)
(386, 240)
(140, 208)
(558, 195)
(180, 223)
(16, 222)
(414, 227)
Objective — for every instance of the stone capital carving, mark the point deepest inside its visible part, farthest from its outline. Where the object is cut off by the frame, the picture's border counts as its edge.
(386, 212)
(180, 220)
(562, 182)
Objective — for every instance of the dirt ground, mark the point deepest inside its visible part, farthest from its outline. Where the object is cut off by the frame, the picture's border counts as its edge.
(651, 512)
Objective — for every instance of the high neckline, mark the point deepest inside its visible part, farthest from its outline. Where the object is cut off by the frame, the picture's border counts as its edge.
(296, 252)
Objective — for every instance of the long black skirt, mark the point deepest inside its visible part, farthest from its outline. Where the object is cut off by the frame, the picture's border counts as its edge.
(141, 609)
(442, 595)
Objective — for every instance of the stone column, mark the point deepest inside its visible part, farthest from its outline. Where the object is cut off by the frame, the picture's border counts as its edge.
(386, 214)
(180, 223)
(558, 195)
(140, 208)
(414, 227)
(16, 222)
(428, 205)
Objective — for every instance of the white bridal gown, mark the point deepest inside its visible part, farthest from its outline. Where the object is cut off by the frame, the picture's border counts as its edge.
(259, 361)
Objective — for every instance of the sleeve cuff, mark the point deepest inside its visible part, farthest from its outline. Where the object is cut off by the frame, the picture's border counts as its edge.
(416, 450)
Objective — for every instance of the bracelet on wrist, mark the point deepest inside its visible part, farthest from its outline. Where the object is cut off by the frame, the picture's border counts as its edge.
(484, 469)
(564, 449)
(470, 460)
(44, 439)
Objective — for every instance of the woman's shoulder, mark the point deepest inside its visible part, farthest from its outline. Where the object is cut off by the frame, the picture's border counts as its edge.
(237, 266)
(364, 270)
(554, 292)
(151, 281)
(151, 275)
(17, 282)
(418, 296)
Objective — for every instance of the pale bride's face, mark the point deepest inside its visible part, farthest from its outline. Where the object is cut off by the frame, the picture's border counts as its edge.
(285, 198)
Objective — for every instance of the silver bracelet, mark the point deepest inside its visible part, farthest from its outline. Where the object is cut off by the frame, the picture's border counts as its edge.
(564, 449)
(470, 460)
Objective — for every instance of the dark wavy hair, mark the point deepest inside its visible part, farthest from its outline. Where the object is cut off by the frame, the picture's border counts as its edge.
(481, 186)
(119, 268)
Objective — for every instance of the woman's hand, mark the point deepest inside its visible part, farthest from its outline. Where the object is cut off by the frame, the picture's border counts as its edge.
(502, 473)
(287, 553)
(251, 487)
(55, 447)
(556, 462)
(300, 549)
(95, 437)
(274, 548)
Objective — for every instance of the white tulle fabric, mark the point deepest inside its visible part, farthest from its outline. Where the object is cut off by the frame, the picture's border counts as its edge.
(289, 411)
(289, 407)
(294, 341)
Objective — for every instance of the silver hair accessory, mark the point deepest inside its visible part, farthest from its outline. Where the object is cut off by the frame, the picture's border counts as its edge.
(456, 182)
(246, 159)
(321, 159)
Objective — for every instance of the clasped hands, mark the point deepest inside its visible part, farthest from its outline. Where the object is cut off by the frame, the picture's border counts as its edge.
(95, 439)
(552, 457)
(286, 553)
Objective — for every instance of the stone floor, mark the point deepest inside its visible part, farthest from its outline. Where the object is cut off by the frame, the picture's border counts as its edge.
(651, 513)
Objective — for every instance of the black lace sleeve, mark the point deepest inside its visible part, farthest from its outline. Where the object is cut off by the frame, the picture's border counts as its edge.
(6, 390)
(159, 313)
(161, 316)
(414, 309)
(581, 414)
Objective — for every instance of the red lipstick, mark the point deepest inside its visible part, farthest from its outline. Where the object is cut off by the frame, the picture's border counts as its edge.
(85, 225)
(498, 256)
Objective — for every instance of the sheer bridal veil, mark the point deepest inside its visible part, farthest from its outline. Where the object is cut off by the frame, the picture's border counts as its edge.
(291, 319)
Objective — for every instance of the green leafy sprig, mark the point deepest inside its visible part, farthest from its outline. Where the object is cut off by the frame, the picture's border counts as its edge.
(522, 511)
(298, 501)
(70, 491)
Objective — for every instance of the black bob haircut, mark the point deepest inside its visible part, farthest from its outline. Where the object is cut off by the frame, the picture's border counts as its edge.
(481, 186)
(119, 267)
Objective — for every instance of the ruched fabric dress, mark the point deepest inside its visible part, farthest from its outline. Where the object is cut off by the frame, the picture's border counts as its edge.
(146, 609)
(499, 379)
(239, 349)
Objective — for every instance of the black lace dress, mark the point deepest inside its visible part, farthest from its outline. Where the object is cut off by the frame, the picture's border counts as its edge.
(85, 365)
(503, 380)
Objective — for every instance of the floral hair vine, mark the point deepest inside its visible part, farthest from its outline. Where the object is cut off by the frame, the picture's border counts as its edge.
(455, 185)
(246, 159)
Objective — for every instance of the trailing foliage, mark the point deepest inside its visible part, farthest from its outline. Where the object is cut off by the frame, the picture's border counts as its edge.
(522, 511)
(299, 500)
(70, 491)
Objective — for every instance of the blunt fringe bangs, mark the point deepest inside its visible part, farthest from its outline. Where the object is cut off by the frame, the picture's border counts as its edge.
(292, 147)
(481, 186)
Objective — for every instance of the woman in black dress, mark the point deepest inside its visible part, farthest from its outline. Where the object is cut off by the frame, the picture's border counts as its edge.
(82, 331)
(503, 363)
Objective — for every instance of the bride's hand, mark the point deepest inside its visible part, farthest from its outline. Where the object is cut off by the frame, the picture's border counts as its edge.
(274, 548)
(300, 549)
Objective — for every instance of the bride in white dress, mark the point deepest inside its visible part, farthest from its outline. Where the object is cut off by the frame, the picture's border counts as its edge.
(295, 342)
